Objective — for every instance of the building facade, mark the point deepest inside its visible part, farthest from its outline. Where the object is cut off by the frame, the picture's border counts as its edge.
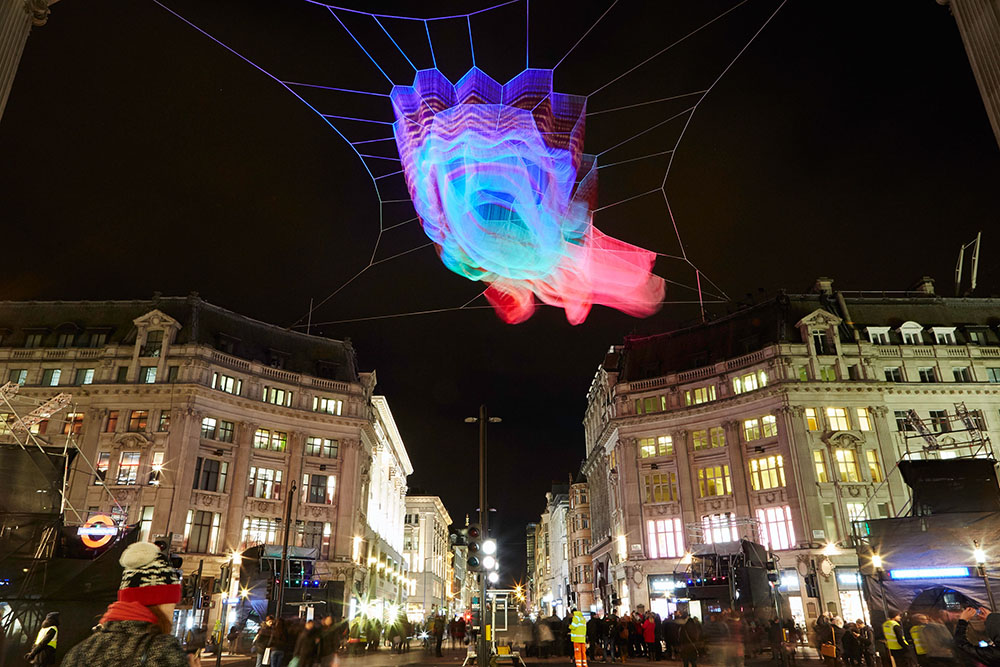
(978, 23)
(200, 426)
(427, 550)
(781, 423)
(17, 17)
(581, 593)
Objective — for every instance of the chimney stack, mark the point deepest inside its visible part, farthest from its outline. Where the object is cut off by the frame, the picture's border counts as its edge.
(925, 285)
(823, 285)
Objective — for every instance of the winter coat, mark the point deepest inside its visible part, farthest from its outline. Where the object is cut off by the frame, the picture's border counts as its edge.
(988, 655)
(263, 638)
(649, 631)
(306, 646)
(118, 643)
(688, 637)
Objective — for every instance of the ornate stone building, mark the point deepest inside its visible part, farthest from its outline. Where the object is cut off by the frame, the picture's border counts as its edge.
(427, 550)
(782, 423)
(581, 575)
(199, 425)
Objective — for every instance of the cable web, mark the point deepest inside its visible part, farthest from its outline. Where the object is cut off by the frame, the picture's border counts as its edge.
(411, 128)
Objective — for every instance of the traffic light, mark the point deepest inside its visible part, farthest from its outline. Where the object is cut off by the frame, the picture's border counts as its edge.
(474, 535)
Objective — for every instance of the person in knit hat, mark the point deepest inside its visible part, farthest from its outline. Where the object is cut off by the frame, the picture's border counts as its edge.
(135, 630)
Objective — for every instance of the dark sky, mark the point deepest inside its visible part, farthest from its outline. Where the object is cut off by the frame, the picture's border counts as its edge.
(138, 155)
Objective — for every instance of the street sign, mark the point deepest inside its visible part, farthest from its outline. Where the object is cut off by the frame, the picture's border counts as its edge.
(98, 531)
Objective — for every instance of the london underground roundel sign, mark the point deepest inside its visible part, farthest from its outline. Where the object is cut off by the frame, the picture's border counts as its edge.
(98, 531)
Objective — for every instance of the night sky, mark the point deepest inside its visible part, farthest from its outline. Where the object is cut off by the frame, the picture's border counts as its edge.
(137, 155)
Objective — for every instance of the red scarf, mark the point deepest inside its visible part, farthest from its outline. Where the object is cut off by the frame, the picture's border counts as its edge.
(128, 611)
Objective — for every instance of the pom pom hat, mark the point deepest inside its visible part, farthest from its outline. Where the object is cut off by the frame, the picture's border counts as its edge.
(149, 578)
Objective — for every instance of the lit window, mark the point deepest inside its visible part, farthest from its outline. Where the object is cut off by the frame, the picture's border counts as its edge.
(323, 447)
(261, 438)
(893, 374)
(700, 439)
(154, 343)
(147, 374)
(719, 528)
(847, 465)
(264, 483)
(962, 374)
(260, 530)
(101, 466)
(666, 539)
(812, 423)
(330, 406)
(699, 395)
(837, 419)
(128, 468)
(767, 473)
(277, 396)
(278, 441)
(318, 489)
(751, 430)
(73, 423)
(208, 426)
(714, 481)
(650, 404)
(50, 377)
(749, 382)
(803, 374)
(718, 436)
(146, 523)
(819, 461)
(112, 425)
(226, 383)
(661, 487)
(84, 376)
(156, 468)
(864, 420)
(138, 420)
(827, 373)
(20, 375)
(164, 424)
(856, 512)
(776, 530)
(647, 448)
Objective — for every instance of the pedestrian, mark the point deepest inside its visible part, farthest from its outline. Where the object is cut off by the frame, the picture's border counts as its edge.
(578, 637)
(896, 640)
(688, 640)
(916, 630)
(593, 635)
(438, 631)
(649, 635)
(306, 650)
(329, 641)
(987, 655)
(263, 640)
(460, 631)
(866, 642)
(282, 643)
(195, 639)
(622, 637)
(43, 651)
(852, 644)
(938, 642)
(135, 630)
(232, 638)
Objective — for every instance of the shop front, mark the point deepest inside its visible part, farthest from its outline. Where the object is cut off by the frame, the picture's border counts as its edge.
(661, 588)
(852, 602)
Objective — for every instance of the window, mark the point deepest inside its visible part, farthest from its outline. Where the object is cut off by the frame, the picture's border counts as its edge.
(894, 374)
(856, 512)
(878, 335)
(812, 423)
(261, 438)
(769, 426)
(122, 375)
(273, 440)
(224, 433)
(749, 382)
(208, 426)
(172, 372)
(278, 441)
(156, 468)
(903, 420)
(138, 420)
(318, 489)
(819, 342)
(202, 531)
(50, 377)
(714, 481)
(719, 528)
(147, 374)
(975, 337)
(912, 337)
(767, 472)
(830, 523)
(154, 343)
(112, 424)
(20, 375)
(119, 514)
(260, 530)
(837, 419)
(765, 427)
(84, 376)
(700, 439)
(98, 339)
(164, 424)
(228, 384)
(827, 373)
(961, 374)
(323, 447)
(883, 510)
(101, 466)
(699, 395)
(751, 430)
(847, 465)
(819, 461)
(210, 475)
(718, 436)
(146, 523)
(73, 423)
(128, 468)
(776, 530)
(277, 396)
(666, 539)
(992, 375)
(650, 404)
(330, 406)
(939, 421)
(803, 374)
(944, 335)
(33, 340)
(264, 483)
(864, 420)
(661, 487)
(926, 374)
(315, 535)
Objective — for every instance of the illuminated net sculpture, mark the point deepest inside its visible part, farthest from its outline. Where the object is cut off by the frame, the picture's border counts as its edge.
(502, 187)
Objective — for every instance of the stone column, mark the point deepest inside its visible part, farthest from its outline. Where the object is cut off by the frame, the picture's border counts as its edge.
(889, 454)
(239, 477)
(81, 476)
(801, 478)
(348, 509)
(738, 468)
(685, 476)
(182, 452)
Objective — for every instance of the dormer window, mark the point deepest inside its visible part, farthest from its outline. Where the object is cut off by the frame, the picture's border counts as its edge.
(820, 342)
(154, 344)
(878, 335)
(911, 333)
(944, 335)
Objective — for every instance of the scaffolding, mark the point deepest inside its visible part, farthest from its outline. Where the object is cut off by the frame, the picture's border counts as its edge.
(946, 436)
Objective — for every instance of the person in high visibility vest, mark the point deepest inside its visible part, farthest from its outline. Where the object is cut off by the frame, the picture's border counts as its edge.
(895, 639)
(916, 634)
(43, 651)
(578, 635)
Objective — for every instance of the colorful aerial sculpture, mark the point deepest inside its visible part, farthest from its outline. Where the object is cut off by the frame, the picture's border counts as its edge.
(499, 179)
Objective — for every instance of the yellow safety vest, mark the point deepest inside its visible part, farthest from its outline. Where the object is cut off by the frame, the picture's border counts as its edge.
(578, 629)
(888, 629)
(915, 636)
(43, 631)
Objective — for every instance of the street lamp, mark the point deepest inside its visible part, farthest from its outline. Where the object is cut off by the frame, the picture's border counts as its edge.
(879, 574)
(980, 555)
(493, 577)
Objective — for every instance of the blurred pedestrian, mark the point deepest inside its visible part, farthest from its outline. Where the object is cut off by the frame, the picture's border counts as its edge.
(688, 640)
(306, 651)
(43, 651)
(649, 635)
(987, 655)
(578, 637)
(896, 640)
(263, 640)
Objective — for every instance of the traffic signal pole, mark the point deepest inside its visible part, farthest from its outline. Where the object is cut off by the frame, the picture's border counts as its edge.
(482, 657)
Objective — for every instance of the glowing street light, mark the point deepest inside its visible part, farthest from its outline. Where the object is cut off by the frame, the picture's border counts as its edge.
(493, 577)
(489, 562)
(489, 547)
(980, 555)
(876, 561)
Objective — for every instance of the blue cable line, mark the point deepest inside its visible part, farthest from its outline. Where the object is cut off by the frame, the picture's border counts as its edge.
(527, 34)
(430, 44)
(343, 90)
(472, 47)
(394, 43)
(360, 120)
(361, 47)
(411, 18)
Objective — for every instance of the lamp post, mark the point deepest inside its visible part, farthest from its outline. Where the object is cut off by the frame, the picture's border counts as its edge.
(980, 556)
(879, 573)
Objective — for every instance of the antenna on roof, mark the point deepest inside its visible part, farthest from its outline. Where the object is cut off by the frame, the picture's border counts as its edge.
(975, 265)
